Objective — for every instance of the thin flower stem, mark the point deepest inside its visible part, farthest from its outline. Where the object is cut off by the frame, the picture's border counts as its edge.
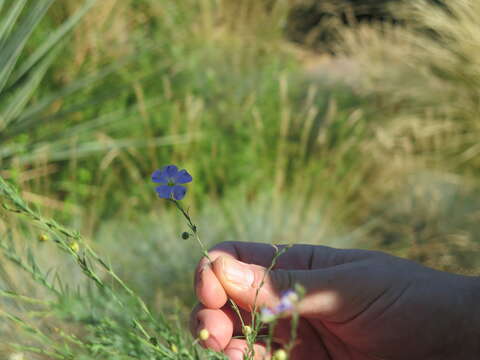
(293, 333)
(277, 254)
(194, 229)
(256, 325)
(271, 328)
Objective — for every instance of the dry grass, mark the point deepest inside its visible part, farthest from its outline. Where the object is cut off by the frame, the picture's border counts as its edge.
(423, 79)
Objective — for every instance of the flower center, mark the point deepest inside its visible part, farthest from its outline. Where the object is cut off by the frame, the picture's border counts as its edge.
(170, 182)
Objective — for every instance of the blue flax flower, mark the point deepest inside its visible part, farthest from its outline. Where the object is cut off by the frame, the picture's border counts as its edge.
(267, 315)
(169, 178)
(288, 300)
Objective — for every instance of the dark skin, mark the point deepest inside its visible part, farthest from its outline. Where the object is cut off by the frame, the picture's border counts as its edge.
(360, 305)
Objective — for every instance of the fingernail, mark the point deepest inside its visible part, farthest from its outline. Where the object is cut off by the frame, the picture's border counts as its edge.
(201, 274)
(237, 273)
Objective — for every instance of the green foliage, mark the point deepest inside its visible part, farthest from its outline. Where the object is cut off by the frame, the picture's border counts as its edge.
(117, 321)
(19, 79)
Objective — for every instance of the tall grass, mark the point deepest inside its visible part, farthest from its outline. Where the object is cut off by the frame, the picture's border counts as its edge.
(206, 83)
(423, 77)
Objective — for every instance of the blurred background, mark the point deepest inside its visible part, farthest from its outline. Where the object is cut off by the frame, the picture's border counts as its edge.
(348, 124)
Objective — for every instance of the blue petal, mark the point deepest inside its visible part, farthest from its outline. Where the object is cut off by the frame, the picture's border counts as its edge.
(183, 177)
(284, 305)
(164, 191)
(170, 171)
(179, 192)
(159, 176)
(267, 315)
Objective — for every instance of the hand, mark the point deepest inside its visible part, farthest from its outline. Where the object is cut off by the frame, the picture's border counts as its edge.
(360, 305)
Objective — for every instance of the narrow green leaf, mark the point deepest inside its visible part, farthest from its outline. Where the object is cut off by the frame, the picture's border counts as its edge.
(10, 20)
(29, 115)
(18, 102)
(65, 151)
(16, 41)
(53, 39)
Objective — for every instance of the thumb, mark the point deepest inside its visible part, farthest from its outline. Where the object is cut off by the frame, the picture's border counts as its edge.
(331, 293)
(241, 282)
(246, 283)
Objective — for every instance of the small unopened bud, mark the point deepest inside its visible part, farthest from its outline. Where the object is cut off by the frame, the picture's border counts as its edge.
(280, 355)
(185, 235)
(174, 348)
(43, 237)
(247, 330)
(75, 247)
(203, 334)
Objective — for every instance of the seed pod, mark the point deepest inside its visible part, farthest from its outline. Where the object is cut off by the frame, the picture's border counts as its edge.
(185, 235)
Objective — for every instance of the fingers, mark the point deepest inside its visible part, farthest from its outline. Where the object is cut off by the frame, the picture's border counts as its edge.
(208, 289)
(240, 281)
(299, 257)
(333, 294)
(307, 342)
(236, 349)
(220, 324)
(249, 285)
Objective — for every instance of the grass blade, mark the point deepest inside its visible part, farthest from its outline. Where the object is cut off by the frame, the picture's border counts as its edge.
(23, 95)
(53, 40)
(85, 149)
(10, 20)
(17, 40)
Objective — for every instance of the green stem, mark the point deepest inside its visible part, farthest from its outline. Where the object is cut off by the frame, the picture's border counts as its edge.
(293, 333)
(192, 227)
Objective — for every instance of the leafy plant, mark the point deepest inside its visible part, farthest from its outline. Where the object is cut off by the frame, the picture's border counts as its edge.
(22, 72)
